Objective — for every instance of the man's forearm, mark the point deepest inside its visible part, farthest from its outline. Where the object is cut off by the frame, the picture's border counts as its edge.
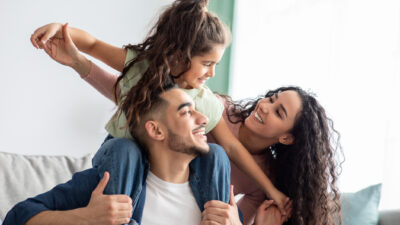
(67, 217)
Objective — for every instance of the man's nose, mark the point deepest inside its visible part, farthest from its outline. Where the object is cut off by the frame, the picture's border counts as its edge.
(201, 119)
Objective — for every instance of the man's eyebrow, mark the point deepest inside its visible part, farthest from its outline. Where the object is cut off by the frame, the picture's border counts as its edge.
(282, 107)
(184, 105)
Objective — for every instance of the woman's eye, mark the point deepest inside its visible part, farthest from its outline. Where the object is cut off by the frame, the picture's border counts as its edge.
(277, 113)
(271, 100)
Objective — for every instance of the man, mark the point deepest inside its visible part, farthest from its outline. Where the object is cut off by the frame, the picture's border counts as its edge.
(173, 134)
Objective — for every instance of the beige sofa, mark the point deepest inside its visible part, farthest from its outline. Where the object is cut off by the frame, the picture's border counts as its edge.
(25, 176)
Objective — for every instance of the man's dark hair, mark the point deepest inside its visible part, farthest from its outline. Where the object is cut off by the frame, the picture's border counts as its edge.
(157, 110)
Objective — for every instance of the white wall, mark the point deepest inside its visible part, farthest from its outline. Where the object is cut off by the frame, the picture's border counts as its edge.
(345, 51)
(45, 108)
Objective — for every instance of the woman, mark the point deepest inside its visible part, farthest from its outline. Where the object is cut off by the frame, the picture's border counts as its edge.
(294, 142)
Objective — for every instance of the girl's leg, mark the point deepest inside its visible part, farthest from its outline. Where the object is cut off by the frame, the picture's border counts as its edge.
(125, 162)
(210, 175)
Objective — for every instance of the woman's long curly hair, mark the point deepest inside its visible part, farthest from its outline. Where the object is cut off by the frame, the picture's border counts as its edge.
(307, 170)
(184, 30)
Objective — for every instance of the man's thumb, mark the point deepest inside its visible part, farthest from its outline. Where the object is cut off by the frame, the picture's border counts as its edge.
(232, 198)
(102, 184)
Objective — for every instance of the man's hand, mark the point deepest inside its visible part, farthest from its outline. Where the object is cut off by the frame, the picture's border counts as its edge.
(217, 212)
(107, 209)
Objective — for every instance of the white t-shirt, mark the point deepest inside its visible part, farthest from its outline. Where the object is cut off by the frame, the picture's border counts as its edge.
(169, 203)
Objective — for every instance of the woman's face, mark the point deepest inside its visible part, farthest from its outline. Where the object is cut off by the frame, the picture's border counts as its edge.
(201, 69)
(274, 117)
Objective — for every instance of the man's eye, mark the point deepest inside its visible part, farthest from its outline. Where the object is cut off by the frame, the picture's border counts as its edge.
(207, 64)
(188, 112)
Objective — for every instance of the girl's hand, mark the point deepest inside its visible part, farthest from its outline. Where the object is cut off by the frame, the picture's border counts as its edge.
(269, 214)
(64, 51)
(282, 201)
(217, 212)
(41, 35)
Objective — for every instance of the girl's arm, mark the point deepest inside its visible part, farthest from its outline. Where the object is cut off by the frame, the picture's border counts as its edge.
(244, 161)
(110, 55)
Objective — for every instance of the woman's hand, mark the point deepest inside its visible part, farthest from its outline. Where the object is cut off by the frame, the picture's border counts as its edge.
(64, 51)
(41, 35)
(268, 214)
(217, 212)
(282, 201)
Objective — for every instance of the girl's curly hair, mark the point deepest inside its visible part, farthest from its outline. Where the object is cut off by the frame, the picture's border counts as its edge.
(307, 170)
(185, 29)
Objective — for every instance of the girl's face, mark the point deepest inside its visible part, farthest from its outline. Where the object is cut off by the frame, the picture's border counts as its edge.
(202, 67)
(275, 116)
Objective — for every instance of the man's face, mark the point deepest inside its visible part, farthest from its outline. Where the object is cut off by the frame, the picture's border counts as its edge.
(185, 126)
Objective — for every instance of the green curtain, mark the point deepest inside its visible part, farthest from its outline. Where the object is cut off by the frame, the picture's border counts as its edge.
(225, 10)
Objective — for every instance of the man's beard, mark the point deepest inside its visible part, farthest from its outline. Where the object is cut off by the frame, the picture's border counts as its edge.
(177, 143)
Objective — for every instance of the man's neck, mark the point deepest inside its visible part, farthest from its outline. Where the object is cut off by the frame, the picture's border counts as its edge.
(168, 165)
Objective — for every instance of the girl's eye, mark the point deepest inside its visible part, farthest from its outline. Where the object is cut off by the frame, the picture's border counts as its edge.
(271, 100)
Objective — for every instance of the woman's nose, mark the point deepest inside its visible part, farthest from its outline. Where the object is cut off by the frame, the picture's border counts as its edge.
(265, 107)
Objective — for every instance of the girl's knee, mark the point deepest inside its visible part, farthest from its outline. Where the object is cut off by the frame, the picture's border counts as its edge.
(217, 153)
(118, 149)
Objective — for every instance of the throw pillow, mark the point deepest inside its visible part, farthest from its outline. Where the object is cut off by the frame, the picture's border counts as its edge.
(361, 207)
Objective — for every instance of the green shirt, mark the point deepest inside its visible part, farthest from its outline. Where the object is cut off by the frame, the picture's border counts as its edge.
(205, 100)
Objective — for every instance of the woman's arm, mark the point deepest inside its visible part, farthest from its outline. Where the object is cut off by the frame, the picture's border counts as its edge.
(65, 52)
(248, 205)
(244, 161)
(110, 55)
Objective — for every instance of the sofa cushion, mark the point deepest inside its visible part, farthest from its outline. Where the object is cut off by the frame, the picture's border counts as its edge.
(389, 217)
(361, 207)
(23, 176)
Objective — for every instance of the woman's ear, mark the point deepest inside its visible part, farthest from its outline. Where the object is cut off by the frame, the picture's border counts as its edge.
(286, 139)
(153, 129)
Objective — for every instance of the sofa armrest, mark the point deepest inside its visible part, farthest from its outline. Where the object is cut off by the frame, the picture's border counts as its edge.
(389, 217)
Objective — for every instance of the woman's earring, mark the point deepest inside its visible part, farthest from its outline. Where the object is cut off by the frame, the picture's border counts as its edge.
(272, 150)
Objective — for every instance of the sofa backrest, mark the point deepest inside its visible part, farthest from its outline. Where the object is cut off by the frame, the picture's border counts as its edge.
(23, 176)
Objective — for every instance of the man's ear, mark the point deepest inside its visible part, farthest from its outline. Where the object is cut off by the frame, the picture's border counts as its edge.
(286, 139)
(153, 129)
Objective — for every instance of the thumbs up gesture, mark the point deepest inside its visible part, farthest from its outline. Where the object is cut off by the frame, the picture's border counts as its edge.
(217, 212)
(108, 209)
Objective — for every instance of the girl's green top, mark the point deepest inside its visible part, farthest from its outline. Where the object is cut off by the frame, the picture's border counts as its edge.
(205, 100)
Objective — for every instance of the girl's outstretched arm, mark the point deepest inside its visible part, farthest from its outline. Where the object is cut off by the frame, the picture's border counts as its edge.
(244, 161)
(110, 55)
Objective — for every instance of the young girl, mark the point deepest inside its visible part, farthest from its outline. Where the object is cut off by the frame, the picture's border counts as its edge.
(183, 47)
